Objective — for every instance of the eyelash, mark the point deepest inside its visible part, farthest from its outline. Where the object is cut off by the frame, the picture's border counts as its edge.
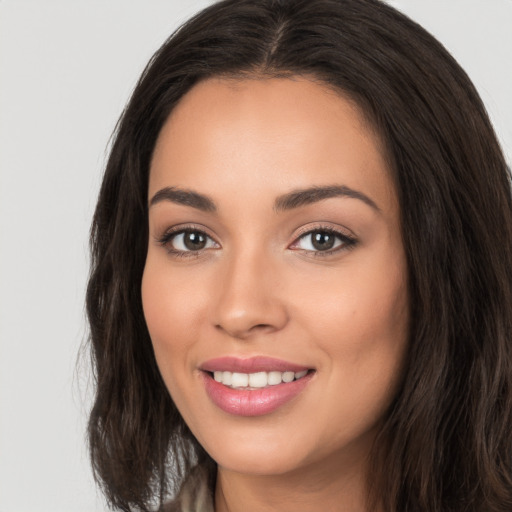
(166, 239)
(347, 241)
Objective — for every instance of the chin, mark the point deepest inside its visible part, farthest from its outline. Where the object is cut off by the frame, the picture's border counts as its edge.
(258, 462)
(257, 454)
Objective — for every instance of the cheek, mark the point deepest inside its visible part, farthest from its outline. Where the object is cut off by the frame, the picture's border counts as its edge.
(171, 308)
(357, 308)
(359, 320)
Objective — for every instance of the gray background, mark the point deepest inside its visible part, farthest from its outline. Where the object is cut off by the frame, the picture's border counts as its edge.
(66, 70)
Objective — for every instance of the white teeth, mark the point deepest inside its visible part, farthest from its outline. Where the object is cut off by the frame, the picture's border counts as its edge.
(256, 380)
(275, 378)
(288, 376)
(240, 380)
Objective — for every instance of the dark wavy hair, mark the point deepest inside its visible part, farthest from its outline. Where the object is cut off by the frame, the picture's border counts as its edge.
(446, 441)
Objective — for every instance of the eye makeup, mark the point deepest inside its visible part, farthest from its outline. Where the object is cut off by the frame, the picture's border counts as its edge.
(323, 241)
(184, 241)
(318, 241)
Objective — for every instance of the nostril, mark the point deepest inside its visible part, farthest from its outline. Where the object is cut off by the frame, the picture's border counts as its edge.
(261, 326)
(243, 332)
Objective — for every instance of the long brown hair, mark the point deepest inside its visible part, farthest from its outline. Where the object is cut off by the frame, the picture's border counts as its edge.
(446, 441)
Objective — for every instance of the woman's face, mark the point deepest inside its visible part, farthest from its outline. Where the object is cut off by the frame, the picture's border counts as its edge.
(275, 263)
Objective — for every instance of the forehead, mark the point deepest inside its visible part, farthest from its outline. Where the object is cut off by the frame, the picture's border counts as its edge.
(268, 135)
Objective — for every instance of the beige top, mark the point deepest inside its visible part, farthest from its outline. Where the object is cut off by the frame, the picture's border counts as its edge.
(195, 495)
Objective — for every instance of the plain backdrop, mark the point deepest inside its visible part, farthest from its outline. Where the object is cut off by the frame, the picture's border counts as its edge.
(66, 69)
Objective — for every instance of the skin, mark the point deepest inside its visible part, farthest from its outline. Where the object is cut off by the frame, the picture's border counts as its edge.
(260, 289)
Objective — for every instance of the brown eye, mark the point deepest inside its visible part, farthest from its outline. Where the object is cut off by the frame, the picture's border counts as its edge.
(194, 240)
(190, 241)
(322, 240)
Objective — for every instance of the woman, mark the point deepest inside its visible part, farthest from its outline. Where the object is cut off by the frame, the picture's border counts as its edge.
(301, 295)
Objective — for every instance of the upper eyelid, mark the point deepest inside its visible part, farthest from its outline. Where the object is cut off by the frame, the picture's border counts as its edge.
(308, 228)
(181, 228)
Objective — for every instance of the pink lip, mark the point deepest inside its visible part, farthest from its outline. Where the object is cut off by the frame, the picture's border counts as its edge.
(250, 365)
(256, 402)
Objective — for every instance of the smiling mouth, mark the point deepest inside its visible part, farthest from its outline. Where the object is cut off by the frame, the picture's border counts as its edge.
(257, 380)
(253, 386)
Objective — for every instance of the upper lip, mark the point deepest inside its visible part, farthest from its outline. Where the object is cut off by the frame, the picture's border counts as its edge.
(251, 365)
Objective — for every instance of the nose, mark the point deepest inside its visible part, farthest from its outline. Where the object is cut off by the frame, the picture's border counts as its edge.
(249, 300)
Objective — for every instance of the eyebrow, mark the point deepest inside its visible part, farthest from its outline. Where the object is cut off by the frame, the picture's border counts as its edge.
(184, 197)
(289, 201)
(306, 196)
